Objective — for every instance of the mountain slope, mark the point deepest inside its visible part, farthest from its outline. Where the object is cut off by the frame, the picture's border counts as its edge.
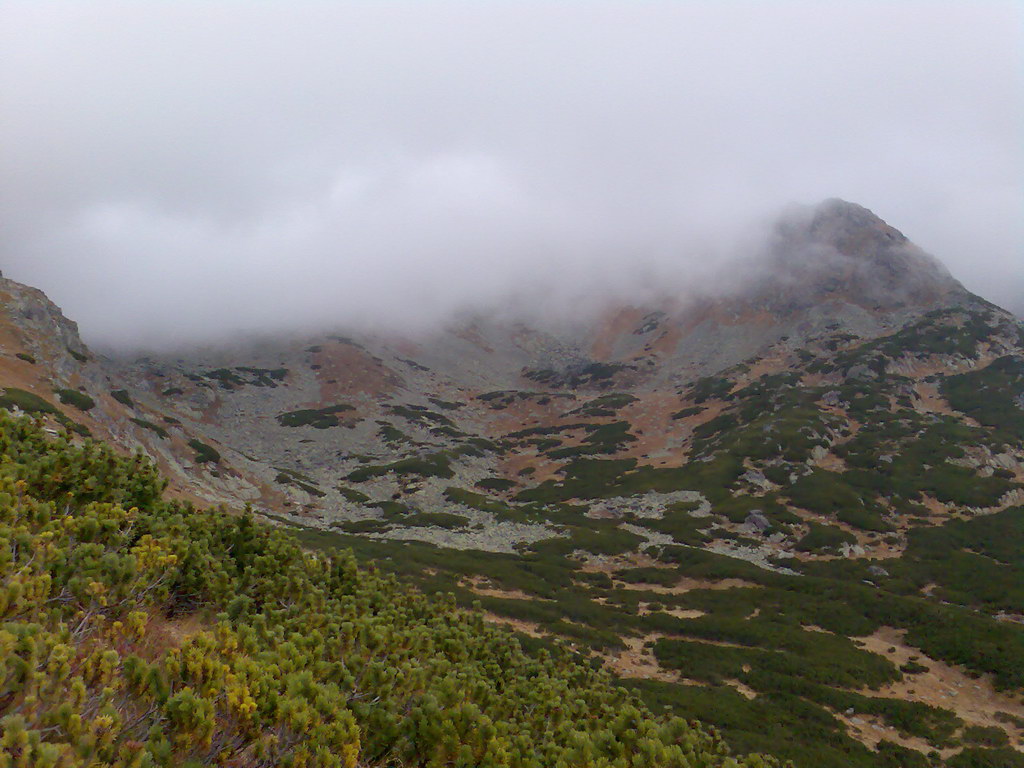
(741, 503)
(138, 632)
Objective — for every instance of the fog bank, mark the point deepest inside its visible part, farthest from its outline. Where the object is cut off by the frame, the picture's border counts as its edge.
(186, 171)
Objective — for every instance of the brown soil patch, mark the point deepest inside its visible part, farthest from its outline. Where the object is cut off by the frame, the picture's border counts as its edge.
(346, 370)
(511, 467)
(480, 586)
(610, 564)
(934, 507)
(930, 401)
(526, 413)
(973, 700)
(831, 463)
(762, 367)
(874, 545)
(472, 335)
(709, 409)
(869, 730)
(611, 328)
(667, 341)
(637, 661)
(526, 627)
(745, 690)
(686, 584)
(680, 613)
(652, 426)
(23, 375)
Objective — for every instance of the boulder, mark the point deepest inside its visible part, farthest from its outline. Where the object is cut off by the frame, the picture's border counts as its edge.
(755, 477)
(861, 372)
(757, 521)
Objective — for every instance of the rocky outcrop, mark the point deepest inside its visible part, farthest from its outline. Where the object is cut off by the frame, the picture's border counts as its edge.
(42, 328)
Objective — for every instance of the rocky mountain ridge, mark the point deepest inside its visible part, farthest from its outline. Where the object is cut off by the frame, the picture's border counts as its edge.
(851, 414)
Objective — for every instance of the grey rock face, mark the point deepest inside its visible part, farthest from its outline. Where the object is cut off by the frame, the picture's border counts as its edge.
(757, 521)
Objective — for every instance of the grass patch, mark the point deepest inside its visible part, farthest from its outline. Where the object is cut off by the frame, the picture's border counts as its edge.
(26, 401)
(825, 538)
(351, 494)
(73, 397)
(156, 428)
(318, 418)
(432, 465)
(205, 454)
(123, 397)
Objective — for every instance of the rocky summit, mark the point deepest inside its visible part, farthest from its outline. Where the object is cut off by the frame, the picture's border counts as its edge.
(792, 508)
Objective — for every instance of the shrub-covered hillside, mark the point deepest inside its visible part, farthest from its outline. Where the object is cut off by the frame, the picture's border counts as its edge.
(143, 632)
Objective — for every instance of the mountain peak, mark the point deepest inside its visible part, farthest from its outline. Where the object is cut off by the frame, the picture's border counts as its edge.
(850, 228)
(855, 252)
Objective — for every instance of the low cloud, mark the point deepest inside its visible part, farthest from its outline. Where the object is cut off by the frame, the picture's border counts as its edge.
(183, 172)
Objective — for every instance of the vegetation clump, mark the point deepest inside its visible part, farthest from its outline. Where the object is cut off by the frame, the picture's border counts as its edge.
(29, 402)
(593, 374)
(431, 465)
(205, 454)
(123, 397)
(155, 428)
(318, 418)
(73, 397)
(143, 632)
(992, 395)
(25, 401)
(299, 480)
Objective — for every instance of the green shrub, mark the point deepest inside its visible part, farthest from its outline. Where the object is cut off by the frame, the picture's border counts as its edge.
(204, 453)
(990, 395)
(318, 418)
(287, 477)
(431, 465)
(974, 757)
(985, 736)
(26, 401)
(160, 431)
(73, 397)
(435, 519)
(351, 494)
(364, 526)
(123, 397)
(353, 668)
(496, 484)
(824, 538)
(686, 412)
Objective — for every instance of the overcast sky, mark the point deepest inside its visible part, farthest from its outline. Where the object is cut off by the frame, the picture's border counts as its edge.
(176, 170)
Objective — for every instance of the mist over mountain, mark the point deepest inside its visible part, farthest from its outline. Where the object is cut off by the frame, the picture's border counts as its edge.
(789, 507)
(436, 384)
(185, 172)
